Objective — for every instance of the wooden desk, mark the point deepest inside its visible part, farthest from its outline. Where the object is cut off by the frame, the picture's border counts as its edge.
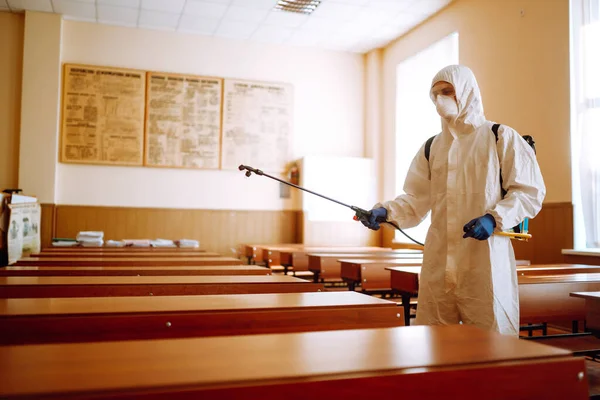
(95, 286)
(297, 259)
(542, 298)
(264, 253)
(125, 261)
(547, 298)
(142, 254)
(28, 321)
(590, 257)
(136, 271)
(424, 362)
(326, 266)
(271, 255)
(371, 274)
(406, 279)
(252, 251)
(592, 310)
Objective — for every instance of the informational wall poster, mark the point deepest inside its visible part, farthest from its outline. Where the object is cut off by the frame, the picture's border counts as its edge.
(102, 115)
(257, 125)
(183, 122)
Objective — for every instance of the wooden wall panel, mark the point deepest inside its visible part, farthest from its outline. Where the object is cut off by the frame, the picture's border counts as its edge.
(47, 224)
(11, 76)
(552, 231)
(223, 230)
(216, 230)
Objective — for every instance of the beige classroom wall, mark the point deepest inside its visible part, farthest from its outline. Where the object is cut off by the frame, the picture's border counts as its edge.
(40, 105)
(328, 114)
(11, 64)
(519, 52)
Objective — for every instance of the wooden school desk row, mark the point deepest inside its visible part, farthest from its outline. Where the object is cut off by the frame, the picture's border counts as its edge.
(320, 262)
(125, 249)
(141, 254)
(159, 261)
(294, 360)
(415, 362)
(366, 269)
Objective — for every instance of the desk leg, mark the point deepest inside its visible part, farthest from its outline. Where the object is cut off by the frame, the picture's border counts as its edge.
(316, 276)
(575, 326)
(406, 305)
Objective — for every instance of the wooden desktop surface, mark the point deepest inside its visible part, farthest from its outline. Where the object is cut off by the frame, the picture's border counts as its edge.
(78, 286)
(159, 261)
(142, 254)
(136, 271)
(296, 365)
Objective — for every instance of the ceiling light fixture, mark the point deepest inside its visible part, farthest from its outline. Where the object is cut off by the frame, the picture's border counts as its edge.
(298, 6)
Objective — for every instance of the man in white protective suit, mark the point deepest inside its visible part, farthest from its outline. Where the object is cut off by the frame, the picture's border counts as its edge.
(468, 274)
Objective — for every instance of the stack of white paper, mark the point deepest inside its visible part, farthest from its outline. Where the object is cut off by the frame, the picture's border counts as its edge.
(188, 243)
(115, 243)
(162, 243)
(64, 243)
(90, 238)
(137, 242)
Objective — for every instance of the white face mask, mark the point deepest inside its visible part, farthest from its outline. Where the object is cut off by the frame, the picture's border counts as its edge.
(446, 106)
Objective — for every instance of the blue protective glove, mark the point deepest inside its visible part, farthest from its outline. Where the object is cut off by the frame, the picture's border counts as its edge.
(377, 215)
(480, 228)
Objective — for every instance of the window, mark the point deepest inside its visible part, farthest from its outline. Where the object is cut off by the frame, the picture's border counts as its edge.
(416, 117)
(585, 120)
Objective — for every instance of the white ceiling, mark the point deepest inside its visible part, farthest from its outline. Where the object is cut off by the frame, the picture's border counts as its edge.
(344, 25)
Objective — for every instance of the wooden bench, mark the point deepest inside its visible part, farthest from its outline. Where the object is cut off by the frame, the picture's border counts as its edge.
(136, 271)
(542, 298)
(592, 310)
(582, 344)
(76, 286)
(28, 321)
(125, 261)
(423, 362)
(547, 298)
(327, 268)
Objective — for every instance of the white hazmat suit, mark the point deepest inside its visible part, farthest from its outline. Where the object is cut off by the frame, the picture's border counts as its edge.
(469, 280)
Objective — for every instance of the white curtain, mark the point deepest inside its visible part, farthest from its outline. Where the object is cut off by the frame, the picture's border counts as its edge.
(586, 81)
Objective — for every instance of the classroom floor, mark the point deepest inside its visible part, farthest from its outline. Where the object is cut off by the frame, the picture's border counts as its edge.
(593, 370)
(592, 366)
